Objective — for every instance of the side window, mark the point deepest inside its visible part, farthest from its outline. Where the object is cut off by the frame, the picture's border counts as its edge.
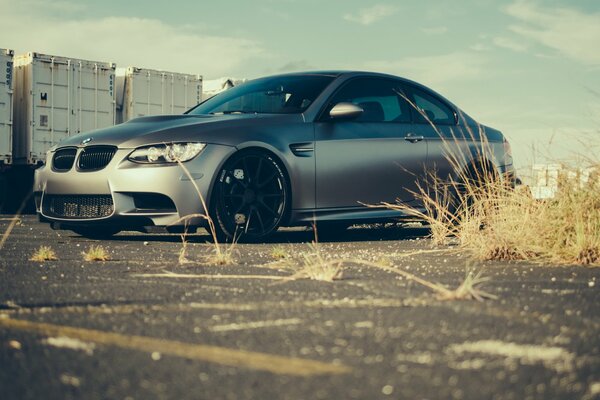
(379, 98)
(431, 109)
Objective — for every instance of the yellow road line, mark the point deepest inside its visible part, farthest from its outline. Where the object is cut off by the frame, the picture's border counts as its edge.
(190, 307)
(255, 325)
(214, 354)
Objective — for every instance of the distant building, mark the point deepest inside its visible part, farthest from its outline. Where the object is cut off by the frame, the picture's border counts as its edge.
(214, 86)
(547, 178)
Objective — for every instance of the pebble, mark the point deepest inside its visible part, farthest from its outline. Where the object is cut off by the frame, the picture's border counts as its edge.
(14, 344)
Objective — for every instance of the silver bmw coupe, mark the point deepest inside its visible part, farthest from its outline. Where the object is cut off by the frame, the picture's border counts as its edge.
(277, 151)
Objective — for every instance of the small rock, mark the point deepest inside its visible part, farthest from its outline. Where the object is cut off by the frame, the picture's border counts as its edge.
(14, 344)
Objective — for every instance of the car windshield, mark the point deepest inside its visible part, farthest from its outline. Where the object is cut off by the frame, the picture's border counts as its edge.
(276, 95)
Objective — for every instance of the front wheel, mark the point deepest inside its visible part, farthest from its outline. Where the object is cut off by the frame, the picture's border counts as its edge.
(250, 198)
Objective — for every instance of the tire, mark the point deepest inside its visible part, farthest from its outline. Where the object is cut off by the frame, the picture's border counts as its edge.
(96, 233)
(251, 197)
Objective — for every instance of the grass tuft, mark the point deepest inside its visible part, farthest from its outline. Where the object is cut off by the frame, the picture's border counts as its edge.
(43, 253)
(225, 255)
(279, 253)
(469, 289)
(183, 259)
(316, 267)
(96, 253)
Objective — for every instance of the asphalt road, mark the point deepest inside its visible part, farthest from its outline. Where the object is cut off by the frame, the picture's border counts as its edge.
(144, 326)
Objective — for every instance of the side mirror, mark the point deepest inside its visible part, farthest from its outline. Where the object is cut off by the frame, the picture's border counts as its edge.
(345, 110)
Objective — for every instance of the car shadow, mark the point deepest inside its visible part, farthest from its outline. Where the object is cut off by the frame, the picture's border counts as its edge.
(298, 235)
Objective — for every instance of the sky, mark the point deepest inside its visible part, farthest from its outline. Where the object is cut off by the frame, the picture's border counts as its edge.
(530, 68)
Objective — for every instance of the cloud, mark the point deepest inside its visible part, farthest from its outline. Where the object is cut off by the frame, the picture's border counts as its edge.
(435, 70)
(571, 32)
(510, 44)
(298, 65)
(127, 41)
(435, 30)
(479, 47)
(367, 16)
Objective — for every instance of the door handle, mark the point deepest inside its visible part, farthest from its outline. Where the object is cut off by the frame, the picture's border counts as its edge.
(413, 138)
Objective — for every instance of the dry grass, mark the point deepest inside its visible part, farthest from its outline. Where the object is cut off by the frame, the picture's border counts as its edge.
(96, 253)
(183, 252)
(279, 253)
(315, 266)
(504, 224)
(43, 253)
(469, 289)
(225, 255)
(222, 254)
(479, 210)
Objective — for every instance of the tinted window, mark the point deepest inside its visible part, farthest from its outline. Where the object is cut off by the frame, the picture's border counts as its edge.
(431, 109)
(275, 95)
(379, 98)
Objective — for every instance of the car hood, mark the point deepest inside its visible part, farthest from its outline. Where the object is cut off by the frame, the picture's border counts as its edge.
(219, 129)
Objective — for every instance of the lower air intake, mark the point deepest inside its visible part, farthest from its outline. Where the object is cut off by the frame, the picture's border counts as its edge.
(78, 206)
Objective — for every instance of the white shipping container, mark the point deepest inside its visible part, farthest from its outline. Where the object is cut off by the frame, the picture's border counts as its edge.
(6, 68)
(56, 97)
(142, 92)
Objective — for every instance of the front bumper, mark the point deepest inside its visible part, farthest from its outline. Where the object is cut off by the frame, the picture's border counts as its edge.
(125, 182)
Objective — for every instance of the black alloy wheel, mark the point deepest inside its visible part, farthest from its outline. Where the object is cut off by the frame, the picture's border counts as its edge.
(250, 198)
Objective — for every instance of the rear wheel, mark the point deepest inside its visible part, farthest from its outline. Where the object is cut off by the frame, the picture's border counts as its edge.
(250, 197)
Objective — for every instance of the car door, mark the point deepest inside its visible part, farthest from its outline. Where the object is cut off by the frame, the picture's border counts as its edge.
(373, 158)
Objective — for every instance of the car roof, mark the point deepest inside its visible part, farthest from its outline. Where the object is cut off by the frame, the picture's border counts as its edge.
(346, 73)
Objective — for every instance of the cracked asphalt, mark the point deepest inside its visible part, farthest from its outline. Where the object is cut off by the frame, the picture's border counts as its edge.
(144, 326)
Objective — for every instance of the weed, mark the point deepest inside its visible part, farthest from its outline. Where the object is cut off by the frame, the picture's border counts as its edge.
(183, 252)
(96, 253)
(15, 220)
(222, 254)
(44, 253)
(469, 289)
(314, 266)
(477, 208)
(279, 253)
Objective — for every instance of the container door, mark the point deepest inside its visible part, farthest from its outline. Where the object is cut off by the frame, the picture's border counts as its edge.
(6, 64)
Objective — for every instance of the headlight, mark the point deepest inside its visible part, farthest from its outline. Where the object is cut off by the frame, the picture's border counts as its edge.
(166, 153)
